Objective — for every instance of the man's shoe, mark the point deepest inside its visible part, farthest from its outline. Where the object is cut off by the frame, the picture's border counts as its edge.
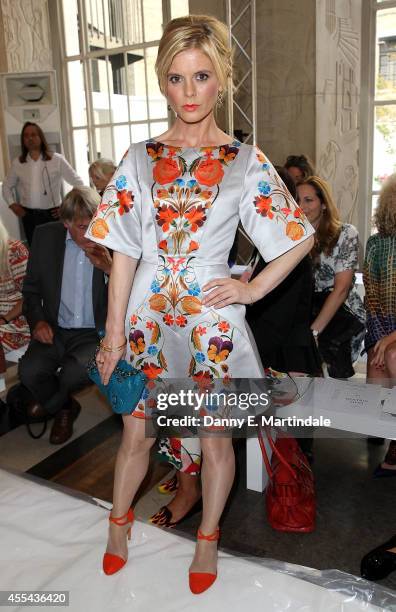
(35, 412)
(62, 429)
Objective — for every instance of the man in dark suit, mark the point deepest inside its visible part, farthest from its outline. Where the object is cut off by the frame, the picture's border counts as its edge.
(65, 303)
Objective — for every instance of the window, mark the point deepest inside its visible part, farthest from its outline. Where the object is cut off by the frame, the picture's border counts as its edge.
(110, 48)
(384, 103)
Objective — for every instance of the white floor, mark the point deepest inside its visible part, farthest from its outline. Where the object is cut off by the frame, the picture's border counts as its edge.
(53, 541)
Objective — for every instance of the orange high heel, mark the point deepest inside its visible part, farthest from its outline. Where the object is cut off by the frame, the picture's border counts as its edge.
(113, 563)
(201, 581)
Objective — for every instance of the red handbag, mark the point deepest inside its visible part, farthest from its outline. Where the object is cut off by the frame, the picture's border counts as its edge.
(290, 494)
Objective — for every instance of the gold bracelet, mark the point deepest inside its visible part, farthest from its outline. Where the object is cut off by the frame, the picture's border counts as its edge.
(111, 349)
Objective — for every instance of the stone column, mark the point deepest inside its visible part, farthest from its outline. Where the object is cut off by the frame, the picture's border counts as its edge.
(338, 64)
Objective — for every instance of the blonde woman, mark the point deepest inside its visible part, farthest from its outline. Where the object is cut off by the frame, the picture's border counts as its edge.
(379, 275)
(100, 173)
(338, 313)
(14, 330)
(173, 205)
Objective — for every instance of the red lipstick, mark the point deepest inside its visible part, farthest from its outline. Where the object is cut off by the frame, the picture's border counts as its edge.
(190, 107)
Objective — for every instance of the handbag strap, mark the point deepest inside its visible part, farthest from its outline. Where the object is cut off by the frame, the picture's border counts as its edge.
(275, 450)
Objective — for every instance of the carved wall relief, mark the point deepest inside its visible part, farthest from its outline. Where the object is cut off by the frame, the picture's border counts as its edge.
(337, 107)
(26, 35)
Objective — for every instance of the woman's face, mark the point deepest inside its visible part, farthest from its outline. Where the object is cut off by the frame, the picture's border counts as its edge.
(192, 85)
(296, 174)
(310, 203)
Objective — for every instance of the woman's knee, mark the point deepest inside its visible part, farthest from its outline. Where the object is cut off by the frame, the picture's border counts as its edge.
(134, 440)
(390, 358)
(217, 450)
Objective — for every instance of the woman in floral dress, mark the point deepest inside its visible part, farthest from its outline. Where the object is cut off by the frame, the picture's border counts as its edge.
(14, 330)
(339, 316)
(173, 205)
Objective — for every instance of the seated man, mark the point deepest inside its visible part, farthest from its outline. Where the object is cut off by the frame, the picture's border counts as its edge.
(65, 303)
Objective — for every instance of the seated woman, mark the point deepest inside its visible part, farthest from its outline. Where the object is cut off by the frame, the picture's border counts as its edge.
(14, 330)
(280, 322)
(299, 167)
(338, 312)
(100, 173)
(379, 275)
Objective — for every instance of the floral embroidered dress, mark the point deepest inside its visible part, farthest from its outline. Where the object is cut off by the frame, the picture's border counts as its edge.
(177, 210)
(16, 333)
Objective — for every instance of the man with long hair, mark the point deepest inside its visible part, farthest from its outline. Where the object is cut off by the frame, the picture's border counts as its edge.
(32, 188)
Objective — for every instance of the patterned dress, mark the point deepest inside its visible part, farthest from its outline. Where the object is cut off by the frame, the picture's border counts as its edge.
(379, 275)
(177, 210)
(15, 334)
(344, 256)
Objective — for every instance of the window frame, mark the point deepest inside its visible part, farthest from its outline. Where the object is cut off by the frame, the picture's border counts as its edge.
(85, 57)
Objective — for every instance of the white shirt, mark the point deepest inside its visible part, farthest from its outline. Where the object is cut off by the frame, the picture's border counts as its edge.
(38, 184)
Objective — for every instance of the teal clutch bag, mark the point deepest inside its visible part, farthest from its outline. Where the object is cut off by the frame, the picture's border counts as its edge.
(125, 387)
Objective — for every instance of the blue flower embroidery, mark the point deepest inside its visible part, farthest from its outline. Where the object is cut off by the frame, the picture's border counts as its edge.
(266, 166)
(179, 182)
(191, 183)
(194, 289)
(183, 272)
(200, 357)
(264, 188)
(167, 271)
(155, 286)
(121, 182)
(152, 349)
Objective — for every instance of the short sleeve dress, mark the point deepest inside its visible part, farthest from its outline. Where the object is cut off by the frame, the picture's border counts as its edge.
(177, 210)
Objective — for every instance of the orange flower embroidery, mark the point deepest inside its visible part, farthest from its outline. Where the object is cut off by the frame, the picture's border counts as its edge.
(193, 246)
(196, 217)
(223, 326)
(151, 370)
(168, 319)
(165, 216)
(166, 170)
(263, 206)
(157, 302)
(294, 230)
(181, 321)
(163, 245)
(125, 199)
(134, 319)
(99, 229)
(209, 172)
(191, 304)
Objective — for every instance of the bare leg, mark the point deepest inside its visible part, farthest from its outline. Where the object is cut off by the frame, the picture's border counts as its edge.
(390, 367)
(130, 469)
(218, 470)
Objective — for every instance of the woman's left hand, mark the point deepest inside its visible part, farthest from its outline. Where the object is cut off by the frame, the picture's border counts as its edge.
(227, 291)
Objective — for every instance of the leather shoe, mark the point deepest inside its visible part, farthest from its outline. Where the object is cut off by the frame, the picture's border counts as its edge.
(36, 412)
(379, 563)
(62, 428)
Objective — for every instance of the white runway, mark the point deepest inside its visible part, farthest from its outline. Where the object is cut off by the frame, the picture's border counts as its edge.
(54, 541)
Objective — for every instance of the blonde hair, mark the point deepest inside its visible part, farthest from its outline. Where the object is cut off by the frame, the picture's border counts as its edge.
(102, 167)
(385, 213)
(80, 202)
(4, 245)
(329, 228)
(202, 32)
